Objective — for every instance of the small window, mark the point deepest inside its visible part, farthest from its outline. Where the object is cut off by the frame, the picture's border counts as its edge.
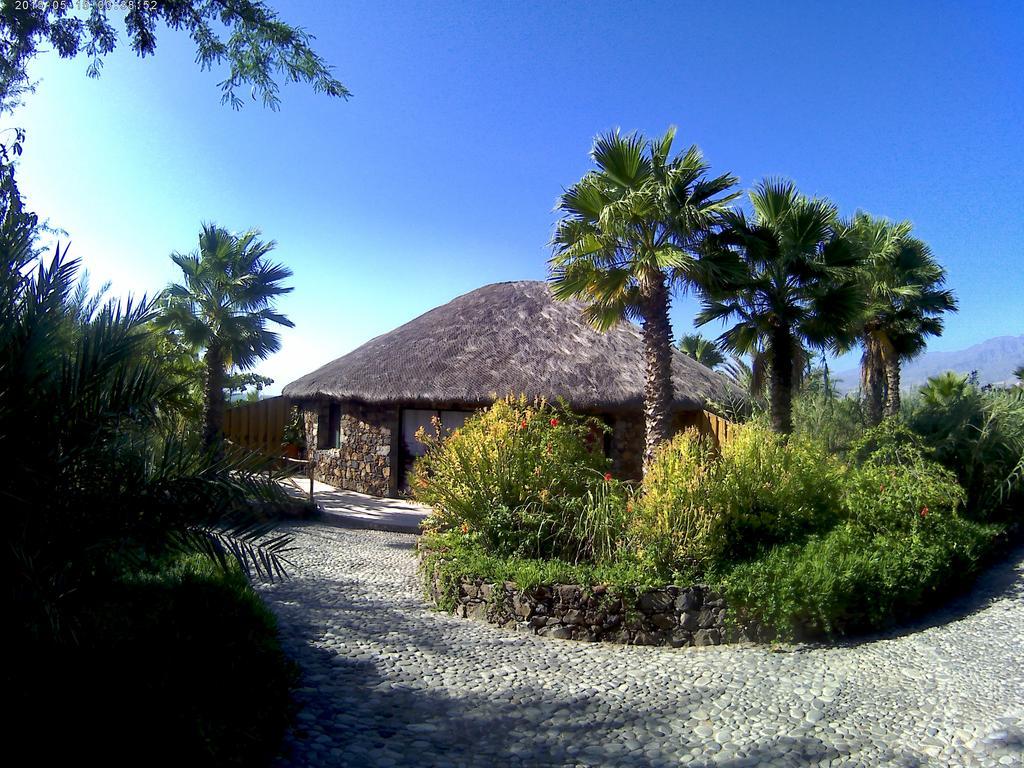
(334, 426)
(328, 429)
(414, 419)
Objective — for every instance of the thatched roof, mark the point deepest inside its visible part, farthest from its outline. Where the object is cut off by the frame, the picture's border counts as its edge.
(500, 339)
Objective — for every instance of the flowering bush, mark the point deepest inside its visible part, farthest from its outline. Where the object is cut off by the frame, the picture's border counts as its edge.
(702, 506)
(798, 542)
(897, 489)
(515, 477)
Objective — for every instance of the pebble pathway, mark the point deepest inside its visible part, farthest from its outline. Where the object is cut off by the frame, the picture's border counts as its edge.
(387, 681)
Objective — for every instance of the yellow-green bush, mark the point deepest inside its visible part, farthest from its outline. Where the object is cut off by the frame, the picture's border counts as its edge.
(703, 507)
(515, 476)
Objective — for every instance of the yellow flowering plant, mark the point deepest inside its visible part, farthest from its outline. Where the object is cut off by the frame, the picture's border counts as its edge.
(510, 474)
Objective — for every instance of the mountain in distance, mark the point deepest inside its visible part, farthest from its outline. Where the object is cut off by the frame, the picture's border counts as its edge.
(995, 360)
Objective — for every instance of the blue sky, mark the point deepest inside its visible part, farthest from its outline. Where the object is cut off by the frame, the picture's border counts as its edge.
(440, 175)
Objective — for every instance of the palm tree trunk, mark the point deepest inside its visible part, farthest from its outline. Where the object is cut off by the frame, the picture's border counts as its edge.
(658, 392)
(892, 383)
(781, 382)
(213, 415)
(871, 379)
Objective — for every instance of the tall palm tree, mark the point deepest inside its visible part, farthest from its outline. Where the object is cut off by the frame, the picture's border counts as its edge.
(797, 288)
(1019, 373)
(704, 351)
(876, 240)
(924, 300)
(905, 297)
(628, 235)
(224, 307)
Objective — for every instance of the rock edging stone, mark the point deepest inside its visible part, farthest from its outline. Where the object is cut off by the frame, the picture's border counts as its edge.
(676, 616)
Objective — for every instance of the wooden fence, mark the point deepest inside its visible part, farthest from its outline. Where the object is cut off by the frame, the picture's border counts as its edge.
(707, 423)
(722, 429)
(258, 426)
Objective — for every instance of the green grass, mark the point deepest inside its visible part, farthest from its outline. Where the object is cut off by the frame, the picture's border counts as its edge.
(453, 557)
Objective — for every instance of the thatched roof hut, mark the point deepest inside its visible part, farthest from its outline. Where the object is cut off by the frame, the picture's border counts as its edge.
(362, 410)
(500, 339)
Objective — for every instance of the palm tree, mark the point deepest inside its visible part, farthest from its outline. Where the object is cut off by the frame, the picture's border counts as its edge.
(741, 373)
(905, 297)
(702, 350)
(223, 307)
(1019, 373)
(628, 235)
(797, 287)
(941, 391)
(95, 488)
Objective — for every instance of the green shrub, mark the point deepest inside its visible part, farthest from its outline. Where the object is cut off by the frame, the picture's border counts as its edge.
(703, 508)
(896, 489)
(675, 516)
(849, 581)
(891, 442)
(453, 555)
(516, 474)
(183, 663)
(980, 436)
(822, 416)
(593, 528)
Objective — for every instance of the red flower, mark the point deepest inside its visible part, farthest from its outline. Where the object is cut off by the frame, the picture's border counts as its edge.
(465, 527)
(554, 422)
(607, 477)
(924, 511)
(522, 424)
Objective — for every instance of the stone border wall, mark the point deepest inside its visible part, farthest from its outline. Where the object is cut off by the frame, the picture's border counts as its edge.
(675, 616)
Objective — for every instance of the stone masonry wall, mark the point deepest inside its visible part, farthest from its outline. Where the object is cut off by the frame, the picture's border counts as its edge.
(627, 447)
(362, 461)
(676, 616)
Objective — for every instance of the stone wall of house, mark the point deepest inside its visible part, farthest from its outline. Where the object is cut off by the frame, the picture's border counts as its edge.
(363, 460)
(627, 446)
(676, 616)
(311, 414)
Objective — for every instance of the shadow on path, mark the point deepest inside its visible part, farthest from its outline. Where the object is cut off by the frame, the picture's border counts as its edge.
(359, 708)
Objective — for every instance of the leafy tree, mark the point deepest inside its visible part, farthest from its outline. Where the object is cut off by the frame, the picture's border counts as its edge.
(1019, 373)
(905, 297)
(258, 45)
(239, 381)
(224, 307)
(704, 351)
(181, 409)
(797, 287)
(630, 232)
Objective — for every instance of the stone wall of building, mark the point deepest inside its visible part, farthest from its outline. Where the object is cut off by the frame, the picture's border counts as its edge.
(312, 413)
(627, 446)
(676, 616)
(363, 460)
